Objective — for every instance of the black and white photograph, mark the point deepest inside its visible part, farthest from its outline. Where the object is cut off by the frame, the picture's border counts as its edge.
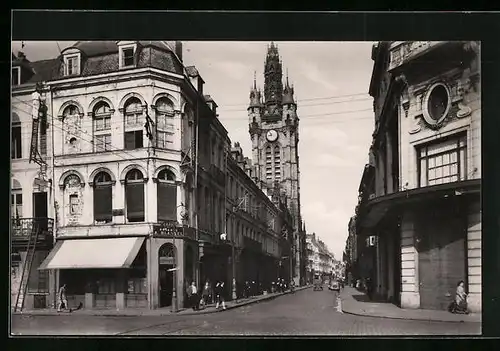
(245, 188)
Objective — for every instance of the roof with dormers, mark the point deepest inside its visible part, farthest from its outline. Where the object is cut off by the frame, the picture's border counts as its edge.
(100, 57)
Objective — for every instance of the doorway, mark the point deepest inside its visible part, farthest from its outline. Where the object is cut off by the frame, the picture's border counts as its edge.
(40, 209)
(442, 257)
(166, 284)
(166, 271)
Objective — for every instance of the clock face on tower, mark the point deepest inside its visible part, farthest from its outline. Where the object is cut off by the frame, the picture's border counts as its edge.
(272, 135)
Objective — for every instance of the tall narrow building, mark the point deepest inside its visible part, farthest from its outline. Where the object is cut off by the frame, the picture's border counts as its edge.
(274, 131)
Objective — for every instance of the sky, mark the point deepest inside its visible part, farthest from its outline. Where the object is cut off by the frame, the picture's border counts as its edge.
(331, 81)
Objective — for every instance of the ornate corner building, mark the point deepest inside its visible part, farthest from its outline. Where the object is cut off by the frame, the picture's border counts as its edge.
(274, 132)
(130, 157)
(419, 211)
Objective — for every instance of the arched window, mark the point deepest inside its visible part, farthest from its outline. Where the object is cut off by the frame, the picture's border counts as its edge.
(103, 192)
(102, 127)
(167, 196)
(277, 163)
(71, 110)
(134, 123)
(16, 201)
(164, 123)
(269, 164)
(134, 195)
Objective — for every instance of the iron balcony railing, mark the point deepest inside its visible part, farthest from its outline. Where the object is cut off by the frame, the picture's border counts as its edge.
(21, 228)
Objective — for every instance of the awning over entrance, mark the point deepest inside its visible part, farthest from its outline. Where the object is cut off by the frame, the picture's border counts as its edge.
(93, 253)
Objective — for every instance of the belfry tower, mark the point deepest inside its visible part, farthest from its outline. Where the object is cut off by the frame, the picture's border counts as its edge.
(274, 131)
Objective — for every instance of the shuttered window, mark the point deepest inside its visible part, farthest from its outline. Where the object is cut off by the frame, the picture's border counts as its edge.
(166, 196)
(134, 193)
(167, 202)
(135, 202)
(102, 203)
(133, 140)
(103, 192)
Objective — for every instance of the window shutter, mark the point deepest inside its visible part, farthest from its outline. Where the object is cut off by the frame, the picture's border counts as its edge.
(138, 139)
(167, 202)
(102, 203)
(135, 202)
(129, 140)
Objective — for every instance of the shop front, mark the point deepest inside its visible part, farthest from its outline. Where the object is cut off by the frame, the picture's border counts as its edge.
(101, 273)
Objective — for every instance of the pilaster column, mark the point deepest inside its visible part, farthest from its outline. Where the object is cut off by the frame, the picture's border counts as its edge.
(151, 204)
(410, 296)
(474, 277)
(388, 163)
(180, 200)
(119, 201)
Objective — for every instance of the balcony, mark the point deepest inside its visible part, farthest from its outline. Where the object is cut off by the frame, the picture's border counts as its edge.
(21, 229)
(172, 229)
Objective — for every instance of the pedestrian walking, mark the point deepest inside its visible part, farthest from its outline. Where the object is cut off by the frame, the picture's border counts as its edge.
(205, 295)
(195, 301)
(63, 301)
(247, 289)
(189, 299)
(219, 295)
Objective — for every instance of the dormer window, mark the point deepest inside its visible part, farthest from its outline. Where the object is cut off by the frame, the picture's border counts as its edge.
(72, 63)
(16, 76)
(128, 50)
(128, 57)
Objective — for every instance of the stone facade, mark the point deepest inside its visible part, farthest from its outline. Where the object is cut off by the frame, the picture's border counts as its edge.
(420, 192)
(140, 128)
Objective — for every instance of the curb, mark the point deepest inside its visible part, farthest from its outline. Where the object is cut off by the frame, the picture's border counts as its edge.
(405, 318)
(193, 313)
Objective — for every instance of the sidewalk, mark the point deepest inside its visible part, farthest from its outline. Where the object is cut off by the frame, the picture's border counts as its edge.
(134, 312)
(357, 303)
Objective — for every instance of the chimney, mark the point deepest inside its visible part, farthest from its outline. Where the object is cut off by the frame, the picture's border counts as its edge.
(178, 49)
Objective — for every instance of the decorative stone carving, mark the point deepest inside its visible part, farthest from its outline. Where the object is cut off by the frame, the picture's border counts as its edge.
(73, 199)
(463, 110)
(72, 136)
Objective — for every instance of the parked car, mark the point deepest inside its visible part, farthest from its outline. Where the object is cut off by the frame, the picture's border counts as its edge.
(334, 285)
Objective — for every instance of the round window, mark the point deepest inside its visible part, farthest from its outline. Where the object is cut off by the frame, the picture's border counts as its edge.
(437, 104)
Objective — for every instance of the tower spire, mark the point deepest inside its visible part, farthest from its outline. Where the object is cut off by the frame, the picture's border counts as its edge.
(255, 80)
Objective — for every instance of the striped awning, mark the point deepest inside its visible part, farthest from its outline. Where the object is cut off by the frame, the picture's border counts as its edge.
(93, 253)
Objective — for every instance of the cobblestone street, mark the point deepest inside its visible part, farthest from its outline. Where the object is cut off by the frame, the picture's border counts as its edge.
(306, 312)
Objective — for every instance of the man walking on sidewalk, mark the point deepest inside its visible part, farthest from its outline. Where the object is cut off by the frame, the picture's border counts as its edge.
(219, 293)
(63, 301)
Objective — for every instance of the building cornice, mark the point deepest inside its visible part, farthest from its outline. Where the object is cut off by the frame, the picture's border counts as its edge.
(106, 76)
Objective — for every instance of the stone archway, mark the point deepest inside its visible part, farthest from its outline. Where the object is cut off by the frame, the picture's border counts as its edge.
(166, 277)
